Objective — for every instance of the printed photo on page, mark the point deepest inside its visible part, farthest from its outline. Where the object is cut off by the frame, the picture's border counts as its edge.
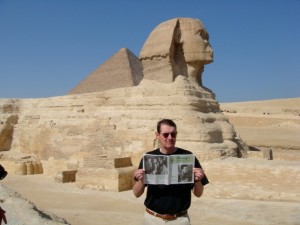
(173, 169)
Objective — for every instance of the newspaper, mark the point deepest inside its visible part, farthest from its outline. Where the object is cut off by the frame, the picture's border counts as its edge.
(172, 169)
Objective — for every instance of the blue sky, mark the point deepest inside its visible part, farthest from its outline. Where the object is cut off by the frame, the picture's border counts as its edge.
(48, 47)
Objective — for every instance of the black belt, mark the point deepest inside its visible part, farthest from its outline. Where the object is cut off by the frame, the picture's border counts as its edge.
(166, 216)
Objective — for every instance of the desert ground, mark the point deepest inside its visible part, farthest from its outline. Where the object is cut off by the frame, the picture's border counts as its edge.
(247, 195)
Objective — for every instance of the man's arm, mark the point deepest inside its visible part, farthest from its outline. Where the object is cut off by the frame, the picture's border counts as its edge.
(139, 186)
(198, 189)
(198, 186)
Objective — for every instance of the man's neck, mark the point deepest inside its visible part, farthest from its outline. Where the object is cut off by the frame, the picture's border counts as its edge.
(168, 151)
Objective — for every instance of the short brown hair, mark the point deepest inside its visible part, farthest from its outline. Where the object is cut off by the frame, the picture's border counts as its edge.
(167, 122)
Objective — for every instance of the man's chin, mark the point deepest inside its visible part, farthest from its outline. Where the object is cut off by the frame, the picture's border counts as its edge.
(170, 147)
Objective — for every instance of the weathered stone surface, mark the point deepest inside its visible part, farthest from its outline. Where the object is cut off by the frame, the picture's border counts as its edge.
(113, 179)
(6, 131)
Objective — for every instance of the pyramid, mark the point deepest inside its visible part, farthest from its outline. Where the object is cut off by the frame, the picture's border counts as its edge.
(123, 69)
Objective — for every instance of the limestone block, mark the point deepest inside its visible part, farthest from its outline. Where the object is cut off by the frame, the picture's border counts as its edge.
(66, 176)
(29, 168)
(114, 179)
(21, 164)
(21, 169)
(104, 173)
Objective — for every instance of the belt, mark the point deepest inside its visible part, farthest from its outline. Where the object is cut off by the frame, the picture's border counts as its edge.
(166, 216)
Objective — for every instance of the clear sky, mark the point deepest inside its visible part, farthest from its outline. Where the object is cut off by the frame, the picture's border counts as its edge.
(48, 47)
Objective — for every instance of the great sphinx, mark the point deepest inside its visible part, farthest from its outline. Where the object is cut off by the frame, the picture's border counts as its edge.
(102, 135)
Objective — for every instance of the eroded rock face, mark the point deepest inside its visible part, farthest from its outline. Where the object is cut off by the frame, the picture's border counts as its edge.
(75, 132)
(6, 132)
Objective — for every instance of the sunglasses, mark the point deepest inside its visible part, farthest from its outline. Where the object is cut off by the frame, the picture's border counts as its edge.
(166, 135)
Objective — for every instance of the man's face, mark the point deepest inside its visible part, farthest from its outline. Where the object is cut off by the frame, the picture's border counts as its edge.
(194, 39)
(167, 137)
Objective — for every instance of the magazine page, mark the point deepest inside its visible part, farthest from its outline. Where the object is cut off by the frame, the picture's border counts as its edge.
(174, 169)
(181, 169)
(156, 169)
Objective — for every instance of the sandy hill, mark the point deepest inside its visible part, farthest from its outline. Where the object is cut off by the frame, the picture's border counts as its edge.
(287, 107)
(271, 123)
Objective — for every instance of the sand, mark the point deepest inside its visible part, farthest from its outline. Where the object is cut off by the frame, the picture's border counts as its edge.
(81, 206)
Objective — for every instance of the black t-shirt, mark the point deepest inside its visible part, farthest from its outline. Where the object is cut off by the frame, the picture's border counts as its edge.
(170, 199)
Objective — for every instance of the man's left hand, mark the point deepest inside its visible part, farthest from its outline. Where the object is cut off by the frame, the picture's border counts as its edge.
(198, 174)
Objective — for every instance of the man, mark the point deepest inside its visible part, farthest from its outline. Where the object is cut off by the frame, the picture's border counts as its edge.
(168, 203)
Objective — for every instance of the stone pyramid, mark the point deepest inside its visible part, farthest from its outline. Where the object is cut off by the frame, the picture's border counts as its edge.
(123, 69)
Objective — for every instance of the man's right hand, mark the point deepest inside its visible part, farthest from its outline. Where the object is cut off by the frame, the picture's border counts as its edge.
(138, 186)
(139, 174)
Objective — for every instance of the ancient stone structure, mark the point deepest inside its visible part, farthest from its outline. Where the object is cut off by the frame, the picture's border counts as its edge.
(123, 69)
(80, 132)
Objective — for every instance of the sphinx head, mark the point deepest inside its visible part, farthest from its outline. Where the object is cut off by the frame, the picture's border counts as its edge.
(193, 37)
(176, 47)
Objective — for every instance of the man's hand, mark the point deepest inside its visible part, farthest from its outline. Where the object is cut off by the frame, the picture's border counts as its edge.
(2, 216)
(198, 187)
(139, 174)
(139, 186)
(198, 173)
